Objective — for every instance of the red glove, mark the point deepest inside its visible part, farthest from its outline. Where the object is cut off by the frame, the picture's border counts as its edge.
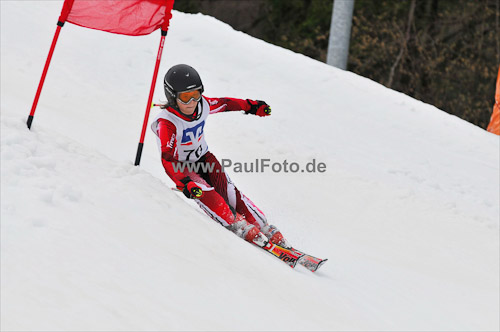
(191, 189)
(258, 107)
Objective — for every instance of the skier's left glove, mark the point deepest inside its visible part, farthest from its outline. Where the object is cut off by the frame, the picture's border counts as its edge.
(258, 107)
(191, 189)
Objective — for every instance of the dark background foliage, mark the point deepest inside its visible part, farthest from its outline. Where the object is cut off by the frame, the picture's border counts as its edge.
(443, 52)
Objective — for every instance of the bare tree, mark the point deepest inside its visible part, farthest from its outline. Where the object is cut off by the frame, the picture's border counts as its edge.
(404, 43)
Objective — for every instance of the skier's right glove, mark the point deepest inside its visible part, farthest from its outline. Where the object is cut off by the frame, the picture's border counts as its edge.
(191, 189)
(258, 107)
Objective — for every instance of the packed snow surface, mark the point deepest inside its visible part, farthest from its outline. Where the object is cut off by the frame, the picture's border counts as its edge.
(407, 211)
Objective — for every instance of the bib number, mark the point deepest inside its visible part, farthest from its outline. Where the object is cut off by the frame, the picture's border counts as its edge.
(197, 153)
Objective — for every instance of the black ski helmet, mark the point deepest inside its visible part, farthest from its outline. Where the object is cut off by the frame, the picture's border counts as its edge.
(180, 78)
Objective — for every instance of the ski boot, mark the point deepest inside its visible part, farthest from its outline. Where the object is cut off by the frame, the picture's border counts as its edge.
(275, 236)
(249, 232)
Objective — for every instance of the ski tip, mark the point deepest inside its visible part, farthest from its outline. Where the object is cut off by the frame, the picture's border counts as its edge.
(321, 264)
(317, 266)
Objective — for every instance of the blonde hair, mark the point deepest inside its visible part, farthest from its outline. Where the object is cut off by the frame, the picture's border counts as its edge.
(163, 104)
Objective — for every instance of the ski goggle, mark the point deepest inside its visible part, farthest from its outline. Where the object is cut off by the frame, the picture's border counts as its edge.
(187, 96)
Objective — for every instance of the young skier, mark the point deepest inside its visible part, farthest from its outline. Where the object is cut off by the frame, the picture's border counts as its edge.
(179, 128)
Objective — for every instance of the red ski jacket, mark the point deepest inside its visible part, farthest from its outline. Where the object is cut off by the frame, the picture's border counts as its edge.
(167, 131)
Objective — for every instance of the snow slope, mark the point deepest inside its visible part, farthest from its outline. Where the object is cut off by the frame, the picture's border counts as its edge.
(407, 211)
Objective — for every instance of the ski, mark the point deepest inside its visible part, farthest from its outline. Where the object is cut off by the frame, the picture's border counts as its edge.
(310, 262)
(292, 256)
(289, 256)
